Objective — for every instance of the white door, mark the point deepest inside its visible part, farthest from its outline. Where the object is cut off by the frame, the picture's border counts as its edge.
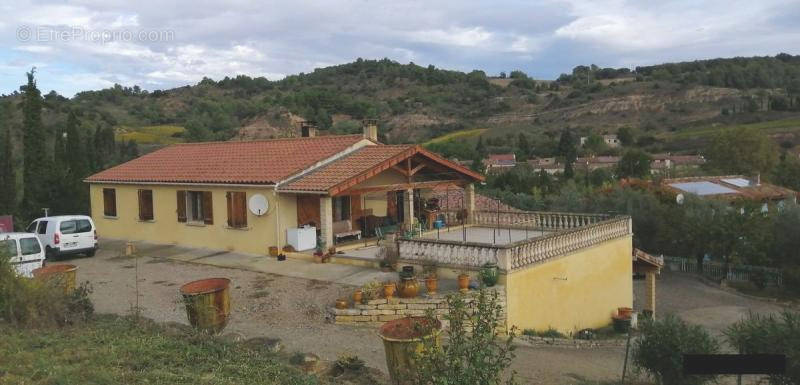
(85, 233)
(30, 257)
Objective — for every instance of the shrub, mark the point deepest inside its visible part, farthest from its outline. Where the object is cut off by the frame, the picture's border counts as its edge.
(549, 333)
(475, 353)
(770, 335)
(35, 303)
(659, 351)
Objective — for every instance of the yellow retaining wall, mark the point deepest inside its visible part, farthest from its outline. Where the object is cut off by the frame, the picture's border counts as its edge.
(165, 228)
(573, 292)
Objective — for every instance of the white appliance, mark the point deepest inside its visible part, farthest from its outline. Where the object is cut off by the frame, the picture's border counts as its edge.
(303, 238)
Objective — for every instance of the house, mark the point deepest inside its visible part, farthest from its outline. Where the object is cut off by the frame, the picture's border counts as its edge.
(498, 163)
(248, 195)
(730, 188)
(548, 165)
(664, 163)
(595, 162)
(609, 140)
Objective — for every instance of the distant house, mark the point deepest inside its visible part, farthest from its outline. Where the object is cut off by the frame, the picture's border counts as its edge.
(596, 162)
(610, 140)
(663, 163)
(498, 163)
(549, 165)
(731, 187)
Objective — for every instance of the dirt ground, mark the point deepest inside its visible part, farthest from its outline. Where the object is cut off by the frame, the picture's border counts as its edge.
(293, 310)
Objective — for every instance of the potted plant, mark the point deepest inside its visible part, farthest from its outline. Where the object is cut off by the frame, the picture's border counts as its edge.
(431, 279)
(389, 288)
(463, 281)
(357, 296)
(318, 255)
(489, 274)
(273, 251)
(371, 290)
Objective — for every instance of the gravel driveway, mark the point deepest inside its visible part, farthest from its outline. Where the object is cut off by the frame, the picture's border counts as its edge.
(293, 310)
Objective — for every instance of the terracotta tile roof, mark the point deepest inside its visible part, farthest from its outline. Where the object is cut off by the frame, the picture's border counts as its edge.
(345, 168)
(362, 163)
(250, 162)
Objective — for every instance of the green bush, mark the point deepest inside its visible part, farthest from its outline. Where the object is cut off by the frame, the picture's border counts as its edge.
(36, 303)
(770, 335)
(549, 333)
(475, 353)
(659, 351)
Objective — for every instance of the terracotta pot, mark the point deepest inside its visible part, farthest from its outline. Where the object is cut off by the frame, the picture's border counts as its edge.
(432, 284)
(409, 287)
(403, 339)
(624, 312)
(357, 296)
(463, 282)
(341, 303)
(388, 290)
(208, 303)
(273, 251)
(318, 258)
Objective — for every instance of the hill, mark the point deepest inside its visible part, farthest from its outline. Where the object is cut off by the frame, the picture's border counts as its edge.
(662, 105)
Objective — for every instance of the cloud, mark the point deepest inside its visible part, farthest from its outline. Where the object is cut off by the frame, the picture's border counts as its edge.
(170, 44)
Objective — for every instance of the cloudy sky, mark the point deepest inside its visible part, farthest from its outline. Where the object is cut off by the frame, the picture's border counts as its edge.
(92, 44)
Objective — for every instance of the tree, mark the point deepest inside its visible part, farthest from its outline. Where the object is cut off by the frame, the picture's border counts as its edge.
(595, 144)
(742, 150)
(480, 148)
(625, 135)
(37, 164)
(475, 352)
(77, 192)
(524, 146)
(567, 149)
(660, 349)
(634, 163)
(8, 188)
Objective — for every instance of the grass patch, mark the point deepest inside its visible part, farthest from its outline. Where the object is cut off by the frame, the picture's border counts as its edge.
(769, 127)
(160, 134)
(549, 333)
(461, 134)
(110, 350)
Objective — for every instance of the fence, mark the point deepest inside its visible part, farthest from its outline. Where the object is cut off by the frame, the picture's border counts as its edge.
(716, 270)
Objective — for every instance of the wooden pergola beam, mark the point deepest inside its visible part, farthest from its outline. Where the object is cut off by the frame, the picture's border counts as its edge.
(401, 186)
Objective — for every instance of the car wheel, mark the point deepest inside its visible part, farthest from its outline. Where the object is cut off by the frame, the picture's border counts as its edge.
(90, 253)
(48, 253)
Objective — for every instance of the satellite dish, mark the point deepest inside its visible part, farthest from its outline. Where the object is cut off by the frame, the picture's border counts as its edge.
(679, 198)
(258, 204)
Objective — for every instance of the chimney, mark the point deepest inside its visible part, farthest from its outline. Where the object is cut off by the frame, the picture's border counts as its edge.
(370, 127)
(308, 129)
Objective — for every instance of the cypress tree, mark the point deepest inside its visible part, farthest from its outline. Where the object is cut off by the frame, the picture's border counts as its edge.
(8, 183)
(78, 168)
(37, 163)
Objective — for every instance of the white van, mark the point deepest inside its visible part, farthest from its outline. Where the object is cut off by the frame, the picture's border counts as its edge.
(66, 234)
(25, 250)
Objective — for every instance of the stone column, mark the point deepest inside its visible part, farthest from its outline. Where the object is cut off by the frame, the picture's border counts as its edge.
(469, 202)
(650, 283)
(326, 220)
(408, 208)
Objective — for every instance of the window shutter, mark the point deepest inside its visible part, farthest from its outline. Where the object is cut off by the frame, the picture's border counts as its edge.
(242, 209)
(231, 220)
(208, 208)
(142, 213)
(181, 206)
(109, 202)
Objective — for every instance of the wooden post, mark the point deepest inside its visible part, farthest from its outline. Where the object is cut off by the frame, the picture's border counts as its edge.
(650, 282)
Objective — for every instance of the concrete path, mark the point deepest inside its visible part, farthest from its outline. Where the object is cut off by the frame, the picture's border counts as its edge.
(328, 272)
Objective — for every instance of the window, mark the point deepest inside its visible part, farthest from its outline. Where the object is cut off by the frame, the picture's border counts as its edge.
(109, 202)
(42, 227)
(195, 206)
(145, 205)
(237, 209)
(83, 226)
(8, 246)
(67, 227)
(31, 228)
(341, 208)
(29, 246)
